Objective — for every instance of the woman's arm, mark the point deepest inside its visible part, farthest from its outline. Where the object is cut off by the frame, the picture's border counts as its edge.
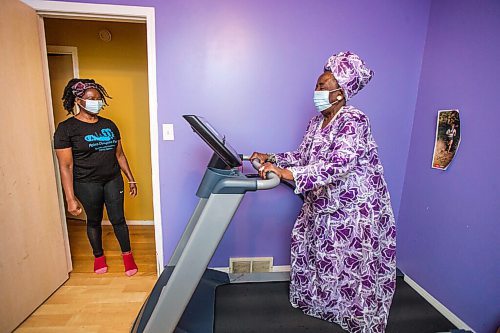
(65, 161)
(122, 161)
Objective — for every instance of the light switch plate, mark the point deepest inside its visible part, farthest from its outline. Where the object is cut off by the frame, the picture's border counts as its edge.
(168, 132)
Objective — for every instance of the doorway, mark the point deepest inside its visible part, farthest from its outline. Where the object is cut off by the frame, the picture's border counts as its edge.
(115, 14)
(115, 55)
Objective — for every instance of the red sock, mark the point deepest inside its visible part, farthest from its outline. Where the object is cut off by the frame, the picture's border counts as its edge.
(130, 266)
(100, 266)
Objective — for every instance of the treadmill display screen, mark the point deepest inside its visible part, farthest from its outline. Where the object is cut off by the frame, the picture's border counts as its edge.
(216, 141)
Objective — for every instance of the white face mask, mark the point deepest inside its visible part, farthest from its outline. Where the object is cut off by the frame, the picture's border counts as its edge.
(93, 106)
(322, 99)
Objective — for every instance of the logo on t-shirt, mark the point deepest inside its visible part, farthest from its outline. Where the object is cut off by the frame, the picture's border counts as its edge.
(103, 141)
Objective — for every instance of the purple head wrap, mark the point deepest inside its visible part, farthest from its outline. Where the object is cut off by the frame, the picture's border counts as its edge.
(79, 88)
(350, 72)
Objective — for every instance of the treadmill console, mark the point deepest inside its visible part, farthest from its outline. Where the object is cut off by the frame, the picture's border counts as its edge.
(216, 141)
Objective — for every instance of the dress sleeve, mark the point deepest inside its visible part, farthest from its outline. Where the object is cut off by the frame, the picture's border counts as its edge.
(61, 137)
(345, 150)
(295, 157)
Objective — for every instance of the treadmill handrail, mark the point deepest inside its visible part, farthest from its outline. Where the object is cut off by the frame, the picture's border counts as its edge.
(265, 184)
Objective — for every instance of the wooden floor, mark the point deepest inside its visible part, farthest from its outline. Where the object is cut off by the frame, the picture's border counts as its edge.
(88, 302)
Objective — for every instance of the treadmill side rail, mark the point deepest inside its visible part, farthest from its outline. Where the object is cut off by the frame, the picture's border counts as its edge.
(205, 237)
(187, 232)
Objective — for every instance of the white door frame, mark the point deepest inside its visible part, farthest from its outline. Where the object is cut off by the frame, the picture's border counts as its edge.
(70, 50)
(122, 14)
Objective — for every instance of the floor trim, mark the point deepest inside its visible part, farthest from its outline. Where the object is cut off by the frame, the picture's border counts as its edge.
(284, 268)
(132, 222)
(438, 305)
(129, 222)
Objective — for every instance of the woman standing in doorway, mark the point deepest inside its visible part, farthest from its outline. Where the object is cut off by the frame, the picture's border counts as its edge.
(90, 156)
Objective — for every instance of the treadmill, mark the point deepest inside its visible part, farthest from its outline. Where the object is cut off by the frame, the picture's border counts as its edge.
(183, 298)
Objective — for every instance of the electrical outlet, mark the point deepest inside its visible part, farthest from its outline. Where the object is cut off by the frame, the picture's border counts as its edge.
(168, 132)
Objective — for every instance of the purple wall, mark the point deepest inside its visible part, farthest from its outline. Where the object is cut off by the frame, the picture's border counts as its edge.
(250, 68)
(448, 230)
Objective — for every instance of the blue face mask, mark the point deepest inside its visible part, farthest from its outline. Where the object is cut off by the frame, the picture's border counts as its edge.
(322, 99)
(93, 106)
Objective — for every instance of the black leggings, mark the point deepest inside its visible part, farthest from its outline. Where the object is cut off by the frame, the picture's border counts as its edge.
(93, 196)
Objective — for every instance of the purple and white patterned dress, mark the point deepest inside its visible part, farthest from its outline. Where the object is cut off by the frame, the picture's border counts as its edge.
(343, 250)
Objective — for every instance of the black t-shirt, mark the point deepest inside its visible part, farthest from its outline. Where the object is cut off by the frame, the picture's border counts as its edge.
(93, 146)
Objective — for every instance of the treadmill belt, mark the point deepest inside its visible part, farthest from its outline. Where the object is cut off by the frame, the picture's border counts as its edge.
(264, 308)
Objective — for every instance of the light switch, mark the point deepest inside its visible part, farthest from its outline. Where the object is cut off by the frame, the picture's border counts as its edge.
(168, 132)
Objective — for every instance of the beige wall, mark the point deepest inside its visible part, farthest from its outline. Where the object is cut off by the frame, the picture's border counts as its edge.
(121, 67)
(33, 259)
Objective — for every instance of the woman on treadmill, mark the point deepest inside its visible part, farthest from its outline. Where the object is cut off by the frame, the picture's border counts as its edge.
(343, 249)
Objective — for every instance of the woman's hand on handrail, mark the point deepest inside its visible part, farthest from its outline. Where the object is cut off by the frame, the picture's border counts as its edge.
(269, 167)
(262, 157)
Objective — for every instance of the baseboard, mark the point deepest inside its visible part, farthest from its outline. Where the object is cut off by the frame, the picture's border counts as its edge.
(284, 268)
(129, 222)
(221, 269)
(132, 222)
(438, 305)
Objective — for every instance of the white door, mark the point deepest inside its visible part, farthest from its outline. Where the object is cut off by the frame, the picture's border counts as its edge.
(33, 258)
